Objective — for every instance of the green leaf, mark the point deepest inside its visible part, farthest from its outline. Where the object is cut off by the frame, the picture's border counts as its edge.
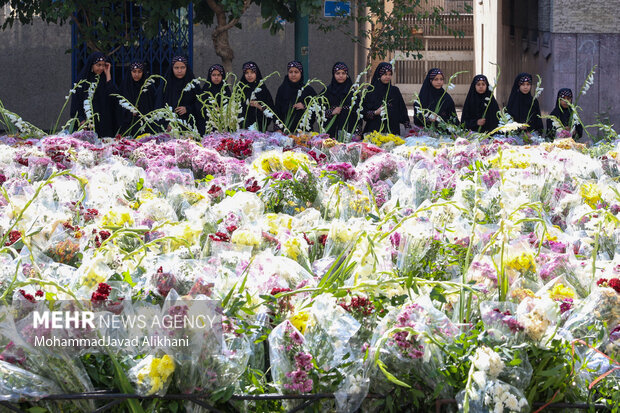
(37, 409)
(390, 376)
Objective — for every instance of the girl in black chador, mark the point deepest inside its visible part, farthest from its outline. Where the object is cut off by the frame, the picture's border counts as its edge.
(434, 98)
(256, 100)
(480, 108)
(339, 95)
(290, 104)
(522, 106)
(384, 97)
(563, 112)
(184, 103)
(104, 105)
(130, 89)
(213, 89)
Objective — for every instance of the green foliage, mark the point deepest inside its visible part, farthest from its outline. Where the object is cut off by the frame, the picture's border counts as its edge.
(102, 25)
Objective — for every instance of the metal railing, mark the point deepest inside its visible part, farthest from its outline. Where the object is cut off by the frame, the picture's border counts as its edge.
(306, 400)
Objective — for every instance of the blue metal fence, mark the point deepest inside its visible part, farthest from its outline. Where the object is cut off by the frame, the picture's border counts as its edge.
(175, 37)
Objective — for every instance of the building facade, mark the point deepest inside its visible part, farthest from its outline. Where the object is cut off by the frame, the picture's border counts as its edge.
(560, 40)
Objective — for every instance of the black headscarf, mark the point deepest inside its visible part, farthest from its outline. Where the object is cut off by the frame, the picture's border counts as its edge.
(212, 87)
(476, 105)
(103, 103)
(174, 87)
(520, 104)
(337, 92)
(563, 114)
(430, 97)
(287, 96)
(130, 89)
(253, 115)
(340, 95)
(397, 110)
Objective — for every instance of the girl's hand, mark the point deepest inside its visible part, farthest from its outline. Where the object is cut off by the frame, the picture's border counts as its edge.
(378, 111)
(481, 122)
(299, 106)
(106, 70)
(180, 110)
(336, 110)
(256, 105)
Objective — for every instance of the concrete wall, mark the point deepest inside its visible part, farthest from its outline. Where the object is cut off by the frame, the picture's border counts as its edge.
(273, 52)
(35, 71)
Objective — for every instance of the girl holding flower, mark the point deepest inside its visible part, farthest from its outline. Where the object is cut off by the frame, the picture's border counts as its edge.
(384, 107)
(257, 98)
(480, 108)
(292, 97)
(177, 94)
(522, 106)
(96, 70)
(435, 103)
(563, 114)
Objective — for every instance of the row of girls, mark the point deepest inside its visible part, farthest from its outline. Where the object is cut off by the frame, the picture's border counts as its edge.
(383, 107)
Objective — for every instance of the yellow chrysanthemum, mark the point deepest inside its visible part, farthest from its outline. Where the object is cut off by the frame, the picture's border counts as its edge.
(292, 248)
(591, 194)
(561, 292)
(379, 139)
(522, 262)
(245, 237)
(158, 372)
(300, 321)
(116, 218)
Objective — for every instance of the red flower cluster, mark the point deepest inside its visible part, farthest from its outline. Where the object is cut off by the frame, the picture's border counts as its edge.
(164, 282)
(102, 293)
(77, 231)
(323, 239)
(613, 283)
(308, 240)
(100, 236)
(88, 214)
(252, 186)
(14, 236)
(20, 160)
(215, 190)
(284, 303)
(27, 296)
(219, 237)
(2, 179)
(360, 305)
(237, 148)
(318, 157)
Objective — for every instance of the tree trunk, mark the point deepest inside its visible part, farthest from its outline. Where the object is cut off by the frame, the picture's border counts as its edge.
(220, 34)
(223, 49)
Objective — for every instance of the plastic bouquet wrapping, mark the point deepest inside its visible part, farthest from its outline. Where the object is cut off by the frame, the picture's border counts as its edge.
(485, 392)
(310, 353)
(17, 383)
(405, 349)
(500, 321)
(415, 241)
(601, 306)
(152, 374)
(26, 347)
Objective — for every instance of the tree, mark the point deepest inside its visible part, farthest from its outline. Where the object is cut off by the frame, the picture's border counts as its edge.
(226, 14)
(381, 22)
(102, 24)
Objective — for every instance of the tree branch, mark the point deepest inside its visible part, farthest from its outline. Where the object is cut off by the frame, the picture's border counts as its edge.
(220, 14)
